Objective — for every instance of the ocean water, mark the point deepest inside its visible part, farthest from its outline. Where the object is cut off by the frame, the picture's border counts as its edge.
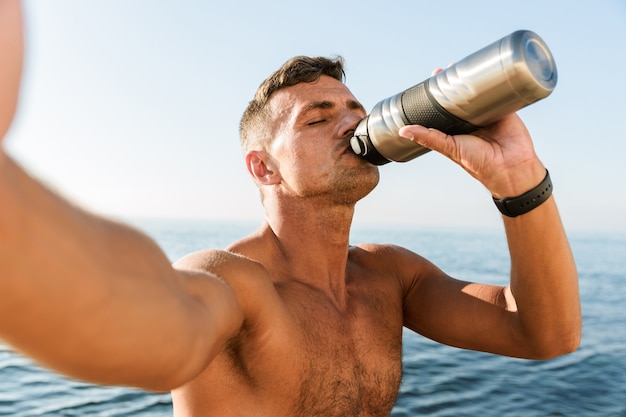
(438, 380)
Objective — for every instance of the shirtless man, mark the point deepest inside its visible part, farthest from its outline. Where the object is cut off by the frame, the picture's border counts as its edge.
(291, 320)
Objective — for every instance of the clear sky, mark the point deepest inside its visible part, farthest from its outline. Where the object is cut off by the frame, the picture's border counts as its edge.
(131, 107)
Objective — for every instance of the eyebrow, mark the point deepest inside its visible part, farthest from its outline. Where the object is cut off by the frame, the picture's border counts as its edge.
(324, 104)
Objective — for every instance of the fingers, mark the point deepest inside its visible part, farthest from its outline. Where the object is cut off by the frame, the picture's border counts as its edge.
(438, 70)
(432, 139)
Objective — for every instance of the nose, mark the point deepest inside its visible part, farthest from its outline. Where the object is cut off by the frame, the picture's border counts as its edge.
(348, 124)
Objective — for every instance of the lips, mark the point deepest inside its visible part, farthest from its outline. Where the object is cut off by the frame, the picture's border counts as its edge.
(346, 148)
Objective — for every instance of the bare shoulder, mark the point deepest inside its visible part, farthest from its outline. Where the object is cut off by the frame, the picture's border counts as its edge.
(392, 255)
(249, 279)
(407, 266)
(214, 260)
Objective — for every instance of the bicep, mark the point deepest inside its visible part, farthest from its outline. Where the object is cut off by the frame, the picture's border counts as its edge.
(158, 341)
(116, 312)
(459, 313)
(159, 326)
(168, 335)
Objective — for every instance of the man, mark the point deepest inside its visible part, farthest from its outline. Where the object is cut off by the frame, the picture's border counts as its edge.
(291, 320)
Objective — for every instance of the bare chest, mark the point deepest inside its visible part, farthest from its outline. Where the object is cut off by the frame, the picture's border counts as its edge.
(307, 358)
(350, 362)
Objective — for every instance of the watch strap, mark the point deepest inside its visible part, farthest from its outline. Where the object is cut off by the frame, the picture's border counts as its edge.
(515, 206)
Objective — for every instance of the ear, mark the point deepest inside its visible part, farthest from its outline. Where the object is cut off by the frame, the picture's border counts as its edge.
(260, 166)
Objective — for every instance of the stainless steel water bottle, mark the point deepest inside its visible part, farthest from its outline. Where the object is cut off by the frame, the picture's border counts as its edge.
(497, 80)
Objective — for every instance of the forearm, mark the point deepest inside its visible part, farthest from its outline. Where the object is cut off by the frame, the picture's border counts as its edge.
(96, 299)
(544, 281)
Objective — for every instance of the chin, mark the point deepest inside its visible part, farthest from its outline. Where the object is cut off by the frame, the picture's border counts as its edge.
(357, 187)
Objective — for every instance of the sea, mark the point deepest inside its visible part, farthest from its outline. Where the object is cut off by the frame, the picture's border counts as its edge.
(438, 380)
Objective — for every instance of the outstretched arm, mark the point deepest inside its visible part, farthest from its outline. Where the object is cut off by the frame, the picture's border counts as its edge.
(89, 297)
(98, 300)
(538, 315)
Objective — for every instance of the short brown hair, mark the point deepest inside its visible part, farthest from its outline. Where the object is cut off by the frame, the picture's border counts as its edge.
(300, 69)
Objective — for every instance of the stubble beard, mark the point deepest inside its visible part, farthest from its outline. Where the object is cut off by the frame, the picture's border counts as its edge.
(354, 187)
(348, 186)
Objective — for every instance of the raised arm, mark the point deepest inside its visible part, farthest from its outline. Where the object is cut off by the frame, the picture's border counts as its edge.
(538, 315)
(89, 297)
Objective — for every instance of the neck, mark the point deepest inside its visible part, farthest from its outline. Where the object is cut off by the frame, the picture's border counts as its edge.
(312, 241)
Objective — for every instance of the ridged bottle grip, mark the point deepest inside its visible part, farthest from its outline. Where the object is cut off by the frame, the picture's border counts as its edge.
(420, 108)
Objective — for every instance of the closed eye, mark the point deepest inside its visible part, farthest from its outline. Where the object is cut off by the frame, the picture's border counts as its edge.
(315, 122)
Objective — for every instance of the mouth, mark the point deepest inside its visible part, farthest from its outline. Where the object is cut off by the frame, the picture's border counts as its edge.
(346, 149)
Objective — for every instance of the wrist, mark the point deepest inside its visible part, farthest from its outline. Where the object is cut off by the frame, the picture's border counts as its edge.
(517, 181)
(523, 203)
